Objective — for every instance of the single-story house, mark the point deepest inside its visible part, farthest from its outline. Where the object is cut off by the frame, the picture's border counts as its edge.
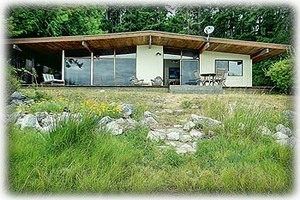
(111, 59)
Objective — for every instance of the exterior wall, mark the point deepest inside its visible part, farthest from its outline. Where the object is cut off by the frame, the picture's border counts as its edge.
(207, 64)
(148, 64)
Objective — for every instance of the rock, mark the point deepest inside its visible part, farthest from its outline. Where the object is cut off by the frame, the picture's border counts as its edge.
(149, 114)
(285, 130)
(16, 102)
(205, 121)
(174, 143)
(156, 135)
(185, 148)
(31, 101)
(40, 115)
(289, 114)
(280, 136)
(13, 117)
(28, 120)
(17, 95)
(127, 109)
(49, 120)
(130, 124)
(173, 135)
(114, 128)
(168, 111)
(188, 126)
(150, 122)
(292, 141)
(105, 120)
(264, 130)
(185, 138)
(282, 142)
(196, 134)
(179, 112)
(178, 126)
(194, 107)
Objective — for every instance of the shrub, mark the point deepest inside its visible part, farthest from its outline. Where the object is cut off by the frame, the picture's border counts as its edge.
(13, 83)
(281, 74)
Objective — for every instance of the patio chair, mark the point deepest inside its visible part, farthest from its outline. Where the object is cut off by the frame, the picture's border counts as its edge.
(199, 79)
(221, 75)
(157, 81)
(49, 78)
(135, 81)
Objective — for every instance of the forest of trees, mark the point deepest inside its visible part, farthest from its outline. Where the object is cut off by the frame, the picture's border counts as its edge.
(265, 24)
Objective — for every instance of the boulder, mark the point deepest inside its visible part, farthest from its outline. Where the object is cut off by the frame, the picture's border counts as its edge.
(156, 135)
(188, 126)
(149, 114)
(185, 148)
(41, 115)
(185, 138)
(264, 130)
(173, 135)
(205, 121)
(105, 120)
(280, 136)
(28, 120)
(149, 122)
(196, 134)
(114, 128)
(127, 109)
(285, 130)
(17, 95)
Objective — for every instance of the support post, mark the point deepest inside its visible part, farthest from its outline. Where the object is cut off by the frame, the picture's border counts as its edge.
(92, 68)
(63, 65)
(150, 41)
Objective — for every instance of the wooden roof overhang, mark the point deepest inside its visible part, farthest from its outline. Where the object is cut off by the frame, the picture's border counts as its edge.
(97, 43)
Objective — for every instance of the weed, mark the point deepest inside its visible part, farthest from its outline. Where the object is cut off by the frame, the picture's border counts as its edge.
(186, 104)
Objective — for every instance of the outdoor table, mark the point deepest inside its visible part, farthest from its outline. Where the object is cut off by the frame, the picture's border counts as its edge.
(208, 77)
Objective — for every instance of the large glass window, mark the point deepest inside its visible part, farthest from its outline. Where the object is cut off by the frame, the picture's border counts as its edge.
(104, 71)
(234, 67)
(187, 71)
(110, 70)
(125, 68)
(78, 71)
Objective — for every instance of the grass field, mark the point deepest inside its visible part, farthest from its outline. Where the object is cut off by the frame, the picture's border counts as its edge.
(79, 158)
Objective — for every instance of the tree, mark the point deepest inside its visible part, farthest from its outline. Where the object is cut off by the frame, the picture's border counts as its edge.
(281, 73)
(55, 21)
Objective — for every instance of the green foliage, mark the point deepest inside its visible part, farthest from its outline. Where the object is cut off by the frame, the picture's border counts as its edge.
(186, 104)
(13, 84)
(281, 73)
(71, 133)
(54, 21)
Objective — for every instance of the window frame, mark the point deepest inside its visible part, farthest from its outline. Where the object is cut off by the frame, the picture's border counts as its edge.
(229, 60)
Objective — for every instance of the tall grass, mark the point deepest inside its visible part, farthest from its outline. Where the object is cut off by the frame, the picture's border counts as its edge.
(78, 157)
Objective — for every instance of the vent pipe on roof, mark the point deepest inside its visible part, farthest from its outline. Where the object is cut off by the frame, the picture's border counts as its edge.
(86, 45)
(16, 47)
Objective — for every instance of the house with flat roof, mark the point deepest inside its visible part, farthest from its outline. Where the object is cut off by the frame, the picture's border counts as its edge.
(111, 59)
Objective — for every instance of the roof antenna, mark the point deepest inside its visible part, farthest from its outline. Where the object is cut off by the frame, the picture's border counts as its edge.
(208, 30)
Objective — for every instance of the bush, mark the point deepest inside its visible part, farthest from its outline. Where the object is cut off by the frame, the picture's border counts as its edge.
(13, 83)
(281, 74)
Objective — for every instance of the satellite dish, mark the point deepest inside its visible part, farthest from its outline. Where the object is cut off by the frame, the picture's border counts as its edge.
(209, 29)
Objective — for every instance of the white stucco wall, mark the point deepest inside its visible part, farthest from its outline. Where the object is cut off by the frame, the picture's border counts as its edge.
(207, 64)
(148, 64)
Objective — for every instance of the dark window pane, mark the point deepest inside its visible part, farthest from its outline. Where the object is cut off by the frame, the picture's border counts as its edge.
(187, 69)
(103, 72)
(125, 68)
(78, 71)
